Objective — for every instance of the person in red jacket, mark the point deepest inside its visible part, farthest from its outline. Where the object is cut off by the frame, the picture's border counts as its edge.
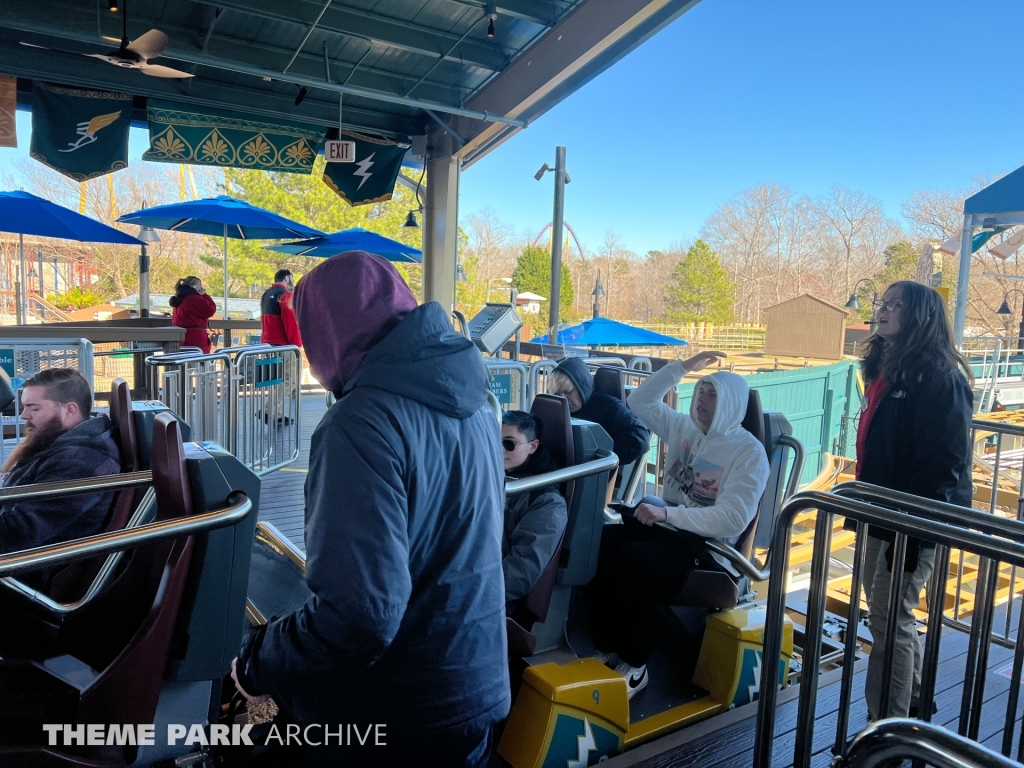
(278, 316)
(192, 310)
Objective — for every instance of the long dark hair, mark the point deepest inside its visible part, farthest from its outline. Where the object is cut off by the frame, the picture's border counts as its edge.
(924, 345)
(186, 286)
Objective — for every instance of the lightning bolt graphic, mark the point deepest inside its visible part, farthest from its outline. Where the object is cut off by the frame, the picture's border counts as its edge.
(362, 169)
(753, 691)
(584, 744)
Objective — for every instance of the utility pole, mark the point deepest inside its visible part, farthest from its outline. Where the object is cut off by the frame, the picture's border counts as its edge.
(556, 243)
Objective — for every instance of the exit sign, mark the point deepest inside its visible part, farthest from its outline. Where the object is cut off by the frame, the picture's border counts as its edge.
(340, 151)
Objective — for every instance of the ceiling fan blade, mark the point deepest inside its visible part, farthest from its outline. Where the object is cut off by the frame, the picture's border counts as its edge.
(150, 45)
(157, 70)
(117, 61)
(54, 50)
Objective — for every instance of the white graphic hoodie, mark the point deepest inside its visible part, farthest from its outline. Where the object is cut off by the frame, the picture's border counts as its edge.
(714, 481)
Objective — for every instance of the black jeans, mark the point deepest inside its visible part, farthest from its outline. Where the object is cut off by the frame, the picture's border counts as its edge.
(638, 568)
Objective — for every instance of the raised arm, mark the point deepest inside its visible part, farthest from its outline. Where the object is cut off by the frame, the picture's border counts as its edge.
(647, 401)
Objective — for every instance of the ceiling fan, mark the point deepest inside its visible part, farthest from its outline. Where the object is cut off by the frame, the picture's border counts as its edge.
(134, 54)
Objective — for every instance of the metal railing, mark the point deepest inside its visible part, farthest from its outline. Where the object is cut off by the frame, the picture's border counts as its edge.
(246, 399)
(115, 541)
(605, 461)
(517, 397)
(944, 525)
(888, 742)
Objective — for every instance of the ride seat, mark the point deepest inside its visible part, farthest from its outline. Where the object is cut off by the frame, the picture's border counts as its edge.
(71, 583)
(556, 436)
(126, 689)
(608, 379)
(717, 589)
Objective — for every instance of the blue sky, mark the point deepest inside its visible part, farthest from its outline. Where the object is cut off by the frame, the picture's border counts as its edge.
(882, 96)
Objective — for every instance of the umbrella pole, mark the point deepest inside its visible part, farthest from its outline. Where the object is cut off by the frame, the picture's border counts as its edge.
(226, 276)
(22, 299)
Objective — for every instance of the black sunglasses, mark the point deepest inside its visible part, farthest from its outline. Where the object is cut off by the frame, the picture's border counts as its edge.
(510, 445)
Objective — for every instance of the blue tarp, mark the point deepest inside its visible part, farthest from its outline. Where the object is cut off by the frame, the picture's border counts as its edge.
(603, 332)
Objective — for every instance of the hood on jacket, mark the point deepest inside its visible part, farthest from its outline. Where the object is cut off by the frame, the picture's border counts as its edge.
(579, 374)
(424, 359)
(733, 393)
(344, 307)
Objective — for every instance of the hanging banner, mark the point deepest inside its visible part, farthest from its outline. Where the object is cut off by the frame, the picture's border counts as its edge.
(8, 106)
(185, 134)
(371, 178)
(80, 133)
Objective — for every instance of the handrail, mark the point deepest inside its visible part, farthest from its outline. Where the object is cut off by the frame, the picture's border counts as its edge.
(101, 578)
(797, 470)
(273, 536)
(734, 556)
(606, 460)
(829, 504)
(66, 487)
(1004, 427)
(886, 742)
(114, 541)
(460, 318)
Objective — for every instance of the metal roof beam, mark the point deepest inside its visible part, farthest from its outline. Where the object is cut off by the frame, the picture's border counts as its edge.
(588, 40)
(38, 65)
(385, 30)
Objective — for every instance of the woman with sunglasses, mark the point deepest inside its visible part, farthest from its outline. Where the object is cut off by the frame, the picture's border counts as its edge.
(913, 436)
(534, 521)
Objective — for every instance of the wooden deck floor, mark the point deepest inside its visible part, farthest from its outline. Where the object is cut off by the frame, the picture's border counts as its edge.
(281, 499)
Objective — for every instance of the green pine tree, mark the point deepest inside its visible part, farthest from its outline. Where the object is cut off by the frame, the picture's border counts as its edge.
(533, 274)
(900, 264)
(700, 290)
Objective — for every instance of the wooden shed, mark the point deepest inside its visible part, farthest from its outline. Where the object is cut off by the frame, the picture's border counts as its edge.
(805, 327)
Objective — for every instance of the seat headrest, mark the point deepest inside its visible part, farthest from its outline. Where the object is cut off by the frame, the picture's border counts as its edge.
(7, 393)
(124, 424)
(608, 379)
(556, 435)
(753, 419)
(170, 475)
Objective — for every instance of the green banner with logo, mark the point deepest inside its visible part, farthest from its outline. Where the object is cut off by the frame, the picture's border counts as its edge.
(371, 178)
(185, 134)
(80, 133)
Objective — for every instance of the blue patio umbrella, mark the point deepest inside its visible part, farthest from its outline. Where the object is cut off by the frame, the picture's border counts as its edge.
(356, 239)
(25, 214)
(224, 216)
(602, 332)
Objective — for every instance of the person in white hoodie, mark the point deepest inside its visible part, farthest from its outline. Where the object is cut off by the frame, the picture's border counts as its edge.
(717, 472)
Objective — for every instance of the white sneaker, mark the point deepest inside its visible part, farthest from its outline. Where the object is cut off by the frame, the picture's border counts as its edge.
(636, 677)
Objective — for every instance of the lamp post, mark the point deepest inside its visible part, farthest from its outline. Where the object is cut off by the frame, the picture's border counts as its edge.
(597, 293)
(854, 302)
(1004, 309)
(146, 235)
(506, 280)
(561, 179)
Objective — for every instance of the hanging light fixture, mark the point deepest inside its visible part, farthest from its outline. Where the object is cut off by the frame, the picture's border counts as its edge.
(1004, 309)
(112, 4)
(491, 11)
(853, 303)
(410, 221)
(460, 273)
(301, 96)
(148, 235)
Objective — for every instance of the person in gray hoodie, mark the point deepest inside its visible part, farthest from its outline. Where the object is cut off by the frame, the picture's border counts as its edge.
(534, 521)
(406, 625)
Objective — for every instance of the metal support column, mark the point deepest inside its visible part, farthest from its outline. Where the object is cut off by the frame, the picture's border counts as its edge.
(962, 282)
(143, 282)
(441, 229)
(556, 245)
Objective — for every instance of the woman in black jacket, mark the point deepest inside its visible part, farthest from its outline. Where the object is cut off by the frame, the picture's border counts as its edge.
(914, 436)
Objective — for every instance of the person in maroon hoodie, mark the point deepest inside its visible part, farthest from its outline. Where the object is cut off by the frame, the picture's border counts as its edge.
(192, 310)
(277, 314)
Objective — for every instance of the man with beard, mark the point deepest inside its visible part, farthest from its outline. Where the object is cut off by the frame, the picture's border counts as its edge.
(61, 443)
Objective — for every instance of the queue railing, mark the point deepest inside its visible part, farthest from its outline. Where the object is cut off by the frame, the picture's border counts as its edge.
(943, 525)
(246, 399)
(889, 742)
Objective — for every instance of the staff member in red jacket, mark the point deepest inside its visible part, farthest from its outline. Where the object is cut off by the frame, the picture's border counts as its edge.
(278, 316)
(192, 310)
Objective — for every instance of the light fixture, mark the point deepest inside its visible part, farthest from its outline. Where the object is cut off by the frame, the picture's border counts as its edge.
(1004, 309)
(32, 273)
(410, 221)
(491, 12)
(112, 4)
(148, 235)
(988, 224)
(853, 303)
(543, 169)
(301, 96)
(598, 288)
(460, 273)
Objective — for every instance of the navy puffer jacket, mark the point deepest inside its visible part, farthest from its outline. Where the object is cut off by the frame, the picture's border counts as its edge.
(404, 503)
